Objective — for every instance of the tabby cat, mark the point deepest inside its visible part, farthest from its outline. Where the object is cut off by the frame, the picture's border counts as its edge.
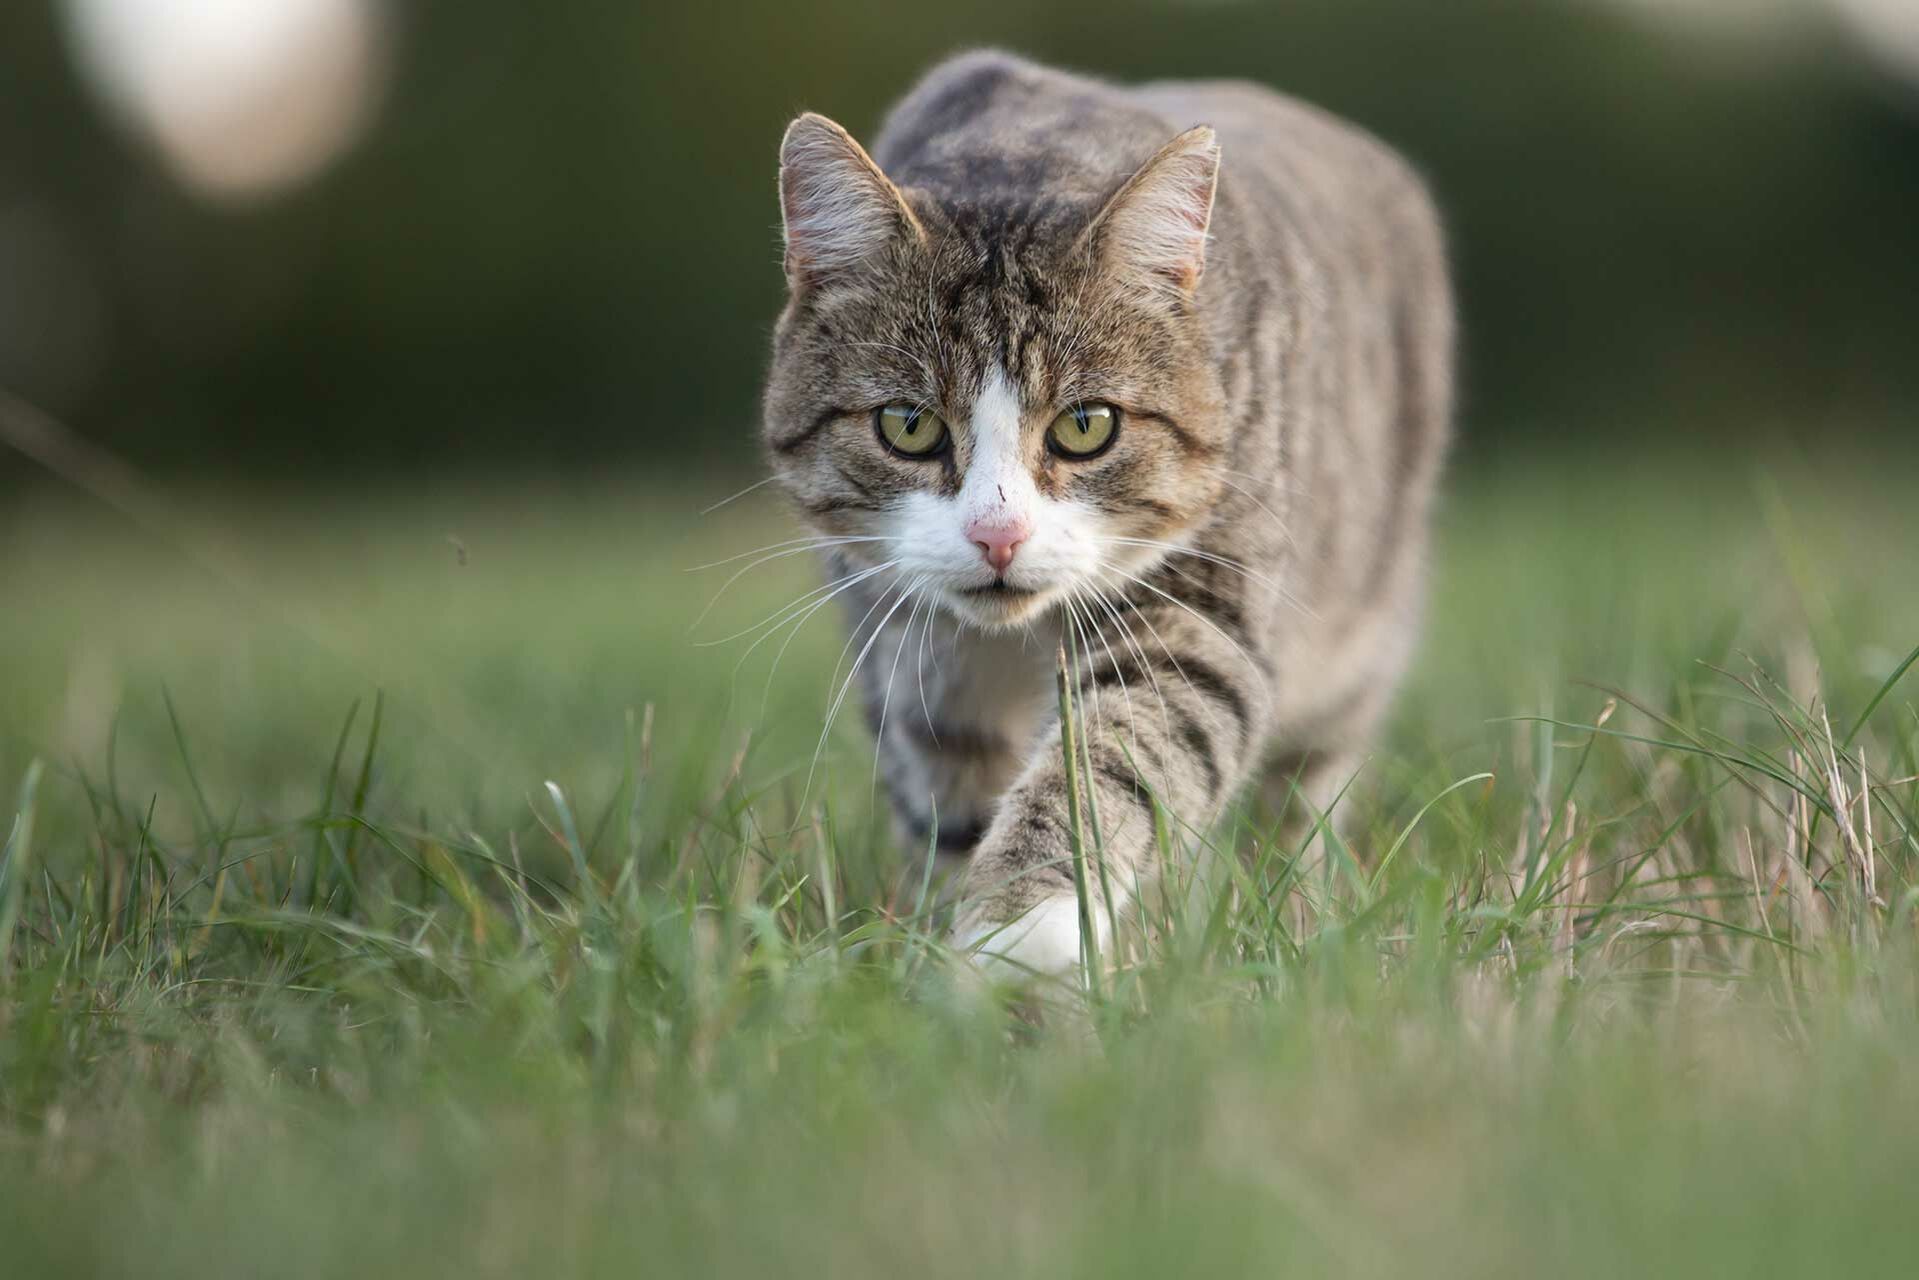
(1049, 368)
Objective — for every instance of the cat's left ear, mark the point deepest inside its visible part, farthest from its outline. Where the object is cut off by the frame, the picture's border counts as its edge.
(839, 209)
(1156, 222)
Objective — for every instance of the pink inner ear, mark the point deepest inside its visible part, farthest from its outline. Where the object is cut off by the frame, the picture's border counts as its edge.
(1197, 208)
(1187, 255)
(1195, 213)
(1160, 223)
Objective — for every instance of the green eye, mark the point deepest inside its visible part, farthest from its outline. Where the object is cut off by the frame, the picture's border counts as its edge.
(910, 432)
(1083, 430)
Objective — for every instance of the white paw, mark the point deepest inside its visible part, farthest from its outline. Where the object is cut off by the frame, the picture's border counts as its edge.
(1044, 942)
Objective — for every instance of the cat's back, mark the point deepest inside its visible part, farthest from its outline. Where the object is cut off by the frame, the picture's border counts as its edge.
(991, 127)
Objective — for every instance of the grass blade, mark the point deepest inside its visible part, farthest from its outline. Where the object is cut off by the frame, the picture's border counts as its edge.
(16, 865)
(1880, 696)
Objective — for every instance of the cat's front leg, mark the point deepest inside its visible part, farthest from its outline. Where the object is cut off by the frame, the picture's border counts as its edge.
(1178, 722)
(1020, 913)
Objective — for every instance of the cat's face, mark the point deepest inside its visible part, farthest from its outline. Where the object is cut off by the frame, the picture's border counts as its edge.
(1004, 407)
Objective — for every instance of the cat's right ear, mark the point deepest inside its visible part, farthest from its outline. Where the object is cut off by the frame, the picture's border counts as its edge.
(839, 209)
(1156, 222)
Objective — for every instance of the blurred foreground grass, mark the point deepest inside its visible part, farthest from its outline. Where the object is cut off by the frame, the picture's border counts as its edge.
(284, 996)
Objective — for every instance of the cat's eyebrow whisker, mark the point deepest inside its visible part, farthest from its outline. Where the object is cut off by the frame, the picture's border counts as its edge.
(916, 358)
(933, 324)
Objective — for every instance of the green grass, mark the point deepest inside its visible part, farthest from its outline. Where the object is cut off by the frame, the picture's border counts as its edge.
(286, 995)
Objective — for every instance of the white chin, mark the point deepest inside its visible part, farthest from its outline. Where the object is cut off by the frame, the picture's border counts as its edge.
(993, 610)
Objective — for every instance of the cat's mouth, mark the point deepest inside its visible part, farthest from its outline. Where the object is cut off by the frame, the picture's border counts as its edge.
(997, 603)
(998, 587)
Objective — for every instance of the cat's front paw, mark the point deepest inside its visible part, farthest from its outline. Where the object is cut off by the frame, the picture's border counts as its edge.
(1041, 942)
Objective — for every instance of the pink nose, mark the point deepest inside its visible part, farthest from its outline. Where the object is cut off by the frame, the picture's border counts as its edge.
(997, 540)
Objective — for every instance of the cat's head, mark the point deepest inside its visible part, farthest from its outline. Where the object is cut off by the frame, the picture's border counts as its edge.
(1002, 401)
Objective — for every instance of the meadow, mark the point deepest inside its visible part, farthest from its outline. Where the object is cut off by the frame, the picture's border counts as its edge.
(432, 883)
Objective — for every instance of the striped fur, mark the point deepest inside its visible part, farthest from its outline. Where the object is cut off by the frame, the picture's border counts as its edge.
(1266, 301)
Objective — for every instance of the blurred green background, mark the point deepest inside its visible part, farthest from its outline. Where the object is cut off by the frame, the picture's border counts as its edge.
(545, 235)
(415, 342)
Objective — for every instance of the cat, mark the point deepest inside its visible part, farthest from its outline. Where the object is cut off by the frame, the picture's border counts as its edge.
(1164, 371)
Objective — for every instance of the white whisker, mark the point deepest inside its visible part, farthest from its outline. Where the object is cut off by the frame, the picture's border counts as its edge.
(844, 585)
(892, 676)
(784, 611)
(1292, 484)
(1085, 647)
(918, 360)
(1214, 627)
(1089, 598)
(802, 548)
(1171, 658)
(839, 699)
(1224, 562)
(757, 484)
(926, 628)
(1253, 498)
(801, 544)
(1126, 636)
(853, 633)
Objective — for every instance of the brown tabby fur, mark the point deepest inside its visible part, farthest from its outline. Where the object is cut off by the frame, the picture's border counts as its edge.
(1285, 424)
